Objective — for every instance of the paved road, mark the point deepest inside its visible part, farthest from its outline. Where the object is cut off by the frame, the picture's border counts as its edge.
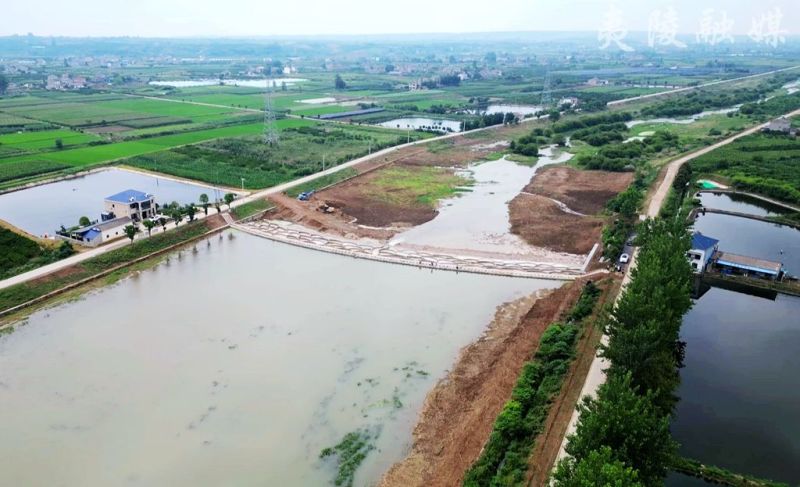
(689, 88)
(596, 376)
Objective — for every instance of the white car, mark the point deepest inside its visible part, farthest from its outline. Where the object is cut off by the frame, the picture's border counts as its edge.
(624, 258)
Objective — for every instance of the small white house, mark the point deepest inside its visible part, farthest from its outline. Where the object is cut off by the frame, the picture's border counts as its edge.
(702, 250)
(98, 233)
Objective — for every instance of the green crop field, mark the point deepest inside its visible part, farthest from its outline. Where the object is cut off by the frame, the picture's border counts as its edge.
(45, 139)
(299, 153)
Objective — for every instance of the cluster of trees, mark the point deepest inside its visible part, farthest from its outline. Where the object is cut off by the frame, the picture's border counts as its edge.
(177, 212)
(21, 254)
(504, 460)
(527, 145)
(626, 156)
(339, 83)
(591, 121)
(625, 207)
(623, 434)
(486, 120)
(773, 107)
(603, 134)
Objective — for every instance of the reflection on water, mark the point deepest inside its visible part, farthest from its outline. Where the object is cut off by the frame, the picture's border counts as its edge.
(422, 123)
(740, 393)
(754, 238)
(479, 219)
(740, 204)
(42, 209)
(233, 365)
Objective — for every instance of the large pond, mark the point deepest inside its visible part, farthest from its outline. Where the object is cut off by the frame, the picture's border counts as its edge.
(234, 364)
(740, 390)
(249, 83)
(43, 209)
(515, 109)
(740, 204)
(422, 123)
(754, 238)
(478, 219)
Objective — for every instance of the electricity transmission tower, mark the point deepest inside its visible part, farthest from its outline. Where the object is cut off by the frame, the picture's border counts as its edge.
(547, 94)
(270, 131)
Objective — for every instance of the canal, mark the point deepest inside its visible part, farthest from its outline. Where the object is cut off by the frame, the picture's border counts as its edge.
(234, 363)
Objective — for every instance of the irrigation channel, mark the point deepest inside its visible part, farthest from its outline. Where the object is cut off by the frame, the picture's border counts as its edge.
(740, 390)
(234, 363)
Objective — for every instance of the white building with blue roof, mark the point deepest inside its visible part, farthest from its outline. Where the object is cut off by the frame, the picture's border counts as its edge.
(702, 251)
(130, 203)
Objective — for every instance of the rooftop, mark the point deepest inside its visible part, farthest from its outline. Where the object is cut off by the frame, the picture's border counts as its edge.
(749, 263)
(129, 196)
(701, 242)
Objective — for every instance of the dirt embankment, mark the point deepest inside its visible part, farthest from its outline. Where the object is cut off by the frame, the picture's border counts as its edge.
(459, 412)
(366, 206)
(543, 222)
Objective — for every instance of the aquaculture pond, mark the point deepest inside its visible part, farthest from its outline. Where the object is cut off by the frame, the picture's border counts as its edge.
(740, 388)
(249, 83)
(234, 363)
(41, 210)
(422, 123)
(754, 238)
(740, 204)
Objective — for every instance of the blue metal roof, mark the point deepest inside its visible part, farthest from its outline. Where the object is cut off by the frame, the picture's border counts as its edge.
(701, 242)
(91, 234)
(130, 196)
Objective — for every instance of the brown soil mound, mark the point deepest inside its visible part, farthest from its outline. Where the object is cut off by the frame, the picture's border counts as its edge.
(459, 412)
(586, 192)
(541, 223)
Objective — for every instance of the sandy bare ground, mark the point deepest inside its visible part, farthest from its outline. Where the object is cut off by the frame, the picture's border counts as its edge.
(585, 192)
(459, 412)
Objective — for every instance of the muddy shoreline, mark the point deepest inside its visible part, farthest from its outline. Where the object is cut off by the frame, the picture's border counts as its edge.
(459, 411)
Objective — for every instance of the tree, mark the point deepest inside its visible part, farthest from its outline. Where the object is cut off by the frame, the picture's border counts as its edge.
(388, 68)
(190, 210)
(59, 144)
(554, 116)
(148, 224)
(490, 57)
(177, 216)
(599, 469)
(629, 425)
(339, 83)
(229, 197)
(3, 84)
(204, 202)
(131, 231)
(163, 222)
(84, 221)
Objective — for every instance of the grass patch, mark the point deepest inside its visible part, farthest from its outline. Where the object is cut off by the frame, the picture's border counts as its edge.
(323, 182)
(351, 452)
(424, 186)
(249, 209)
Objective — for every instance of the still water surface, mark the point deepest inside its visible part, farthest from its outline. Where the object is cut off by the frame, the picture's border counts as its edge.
(740, 204)
(416, 123)
(42, 209)
(234, 365)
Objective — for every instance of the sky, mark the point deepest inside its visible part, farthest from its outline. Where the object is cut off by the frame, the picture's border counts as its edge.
(244, 18)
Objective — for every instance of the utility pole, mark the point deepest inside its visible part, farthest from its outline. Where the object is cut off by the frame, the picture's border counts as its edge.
(323, 162)
(408, 134)
(242, 184)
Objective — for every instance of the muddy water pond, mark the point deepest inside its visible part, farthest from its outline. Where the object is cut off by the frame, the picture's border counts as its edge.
(234, 364)
(478, 219)
(42, 209)
(515, 109)
(683, 121)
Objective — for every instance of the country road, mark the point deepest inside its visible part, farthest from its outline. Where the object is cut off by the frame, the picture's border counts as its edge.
(690, 88)
(596, 376)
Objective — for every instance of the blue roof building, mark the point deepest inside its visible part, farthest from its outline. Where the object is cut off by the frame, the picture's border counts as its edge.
(702, 250)
(130, 203)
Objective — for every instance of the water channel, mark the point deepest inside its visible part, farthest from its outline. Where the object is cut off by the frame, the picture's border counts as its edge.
(234, 364)
(42, 209)
(478, 219)
(740, 390)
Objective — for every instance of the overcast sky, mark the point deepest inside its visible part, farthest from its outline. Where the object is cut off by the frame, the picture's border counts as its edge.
(181, 18)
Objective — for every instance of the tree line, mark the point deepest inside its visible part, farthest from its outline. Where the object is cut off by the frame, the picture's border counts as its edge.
(623, 437)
